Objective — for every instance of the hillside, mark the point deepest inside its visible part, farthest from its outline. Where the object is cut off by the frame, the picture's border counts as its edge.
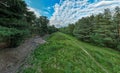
(65, 54)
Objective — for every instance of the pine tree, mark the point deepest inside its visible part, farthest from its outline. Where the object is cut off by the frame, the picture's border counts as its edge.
(117, 27)
(13, 25)
(102, 29)
(42, 25)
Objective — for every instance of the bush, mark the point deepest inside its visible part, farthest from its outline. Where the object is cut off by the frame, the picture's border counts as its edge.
(12, 36)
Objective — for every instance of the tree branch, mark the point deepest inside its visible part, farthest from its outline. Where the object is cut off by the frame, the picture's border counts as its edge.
(4, 4)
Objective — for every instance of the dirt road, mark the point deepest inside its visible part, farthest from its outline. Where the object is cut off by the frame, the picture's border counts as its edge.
(11, 59)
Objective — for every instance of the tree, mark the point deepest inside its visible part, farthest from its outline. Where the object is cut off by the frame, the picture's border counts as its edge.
(52, 29)
(13, 21)
(71, 28)
(106, 27)
(31, 20)
(84, 28)
(42, 25)
(101, 29)
(117, 27)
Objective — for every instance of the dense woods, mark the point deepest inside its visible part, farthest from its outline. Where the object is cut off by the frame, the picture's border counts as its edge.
(17, 22)
(102, 29)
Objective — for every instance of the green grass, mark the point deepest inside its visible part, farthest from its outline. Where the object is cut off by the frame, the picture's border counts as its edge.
(65, 54)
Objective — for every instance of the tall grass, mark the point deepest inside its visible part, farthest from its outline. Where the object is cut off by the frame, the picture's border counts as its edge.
(63, 54)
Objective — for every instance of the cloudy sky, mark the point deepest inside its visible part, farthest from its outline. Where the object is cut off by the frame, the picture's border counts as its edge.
(63, 12)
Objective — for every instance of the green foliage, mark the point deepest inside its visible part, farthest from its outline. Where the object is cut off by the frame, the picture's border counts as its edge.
(18, 22)
(68, 30)
(63, 54)
(102, 29)
(84, 28)
(42, 26)
(52, 29)
(13, 23)
(29, 70)
(12, 35)
(13, 26)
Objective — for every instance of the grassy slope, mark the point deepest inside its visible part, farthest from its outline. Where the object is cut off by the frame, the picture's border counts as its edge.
(64, 54)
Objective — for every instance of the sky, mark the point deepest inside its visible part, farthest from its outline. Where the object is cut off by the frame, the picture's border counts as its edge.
(63, 12)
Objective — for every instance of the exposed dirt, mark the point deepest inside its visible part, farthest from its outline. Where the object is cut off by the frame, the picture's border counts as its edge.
(11, 59)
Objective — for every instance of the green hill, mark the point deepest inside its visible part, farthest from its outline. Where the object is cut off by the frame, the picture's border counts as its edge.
(65, 54)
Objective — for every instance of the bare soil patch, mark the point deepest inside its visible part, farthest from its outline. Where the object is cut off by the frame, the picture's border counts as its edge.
(12, 58)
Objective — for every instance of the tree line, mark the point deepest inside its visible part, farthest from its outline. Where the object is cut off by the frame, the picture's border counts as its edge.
(102, 29)
(17, 22)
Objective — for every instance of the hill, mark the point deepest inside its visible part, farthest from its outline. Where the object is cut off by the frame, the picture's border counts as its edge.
(65, 54)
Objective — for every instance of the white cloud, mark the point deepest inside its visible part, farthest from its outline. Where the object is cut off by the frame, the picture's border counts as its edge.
(48, 8)
(36, 11)
(103, 3)
(69, 11)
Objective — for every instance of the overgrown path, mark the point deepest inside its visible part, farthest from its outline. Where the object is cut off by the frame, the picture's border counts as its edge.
(99, 65)
(12, 59)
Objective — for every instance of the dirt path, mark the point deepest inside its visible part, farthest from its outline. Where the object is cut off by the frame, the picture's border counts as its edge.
(11, 59)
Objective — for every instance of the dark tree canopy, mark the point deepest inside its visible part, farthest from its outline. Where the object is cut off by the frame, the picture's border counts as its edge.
(18, 22)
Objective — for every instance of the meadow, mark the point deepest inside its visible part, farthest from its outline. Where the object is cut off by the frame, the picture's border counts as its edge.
(66, 54)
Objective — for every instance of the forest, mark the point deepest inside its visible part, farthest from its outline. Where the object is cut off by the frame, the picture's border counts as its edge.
(102, 29)
(17, 22)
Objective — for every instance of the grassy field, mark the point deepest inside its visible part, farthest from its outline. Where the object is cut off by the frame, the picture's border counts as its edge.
(65, 54)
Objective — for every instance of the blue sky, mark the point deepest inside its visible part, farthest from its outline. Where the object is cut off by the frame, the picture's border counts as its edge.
(63, 12)
(45, 7)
